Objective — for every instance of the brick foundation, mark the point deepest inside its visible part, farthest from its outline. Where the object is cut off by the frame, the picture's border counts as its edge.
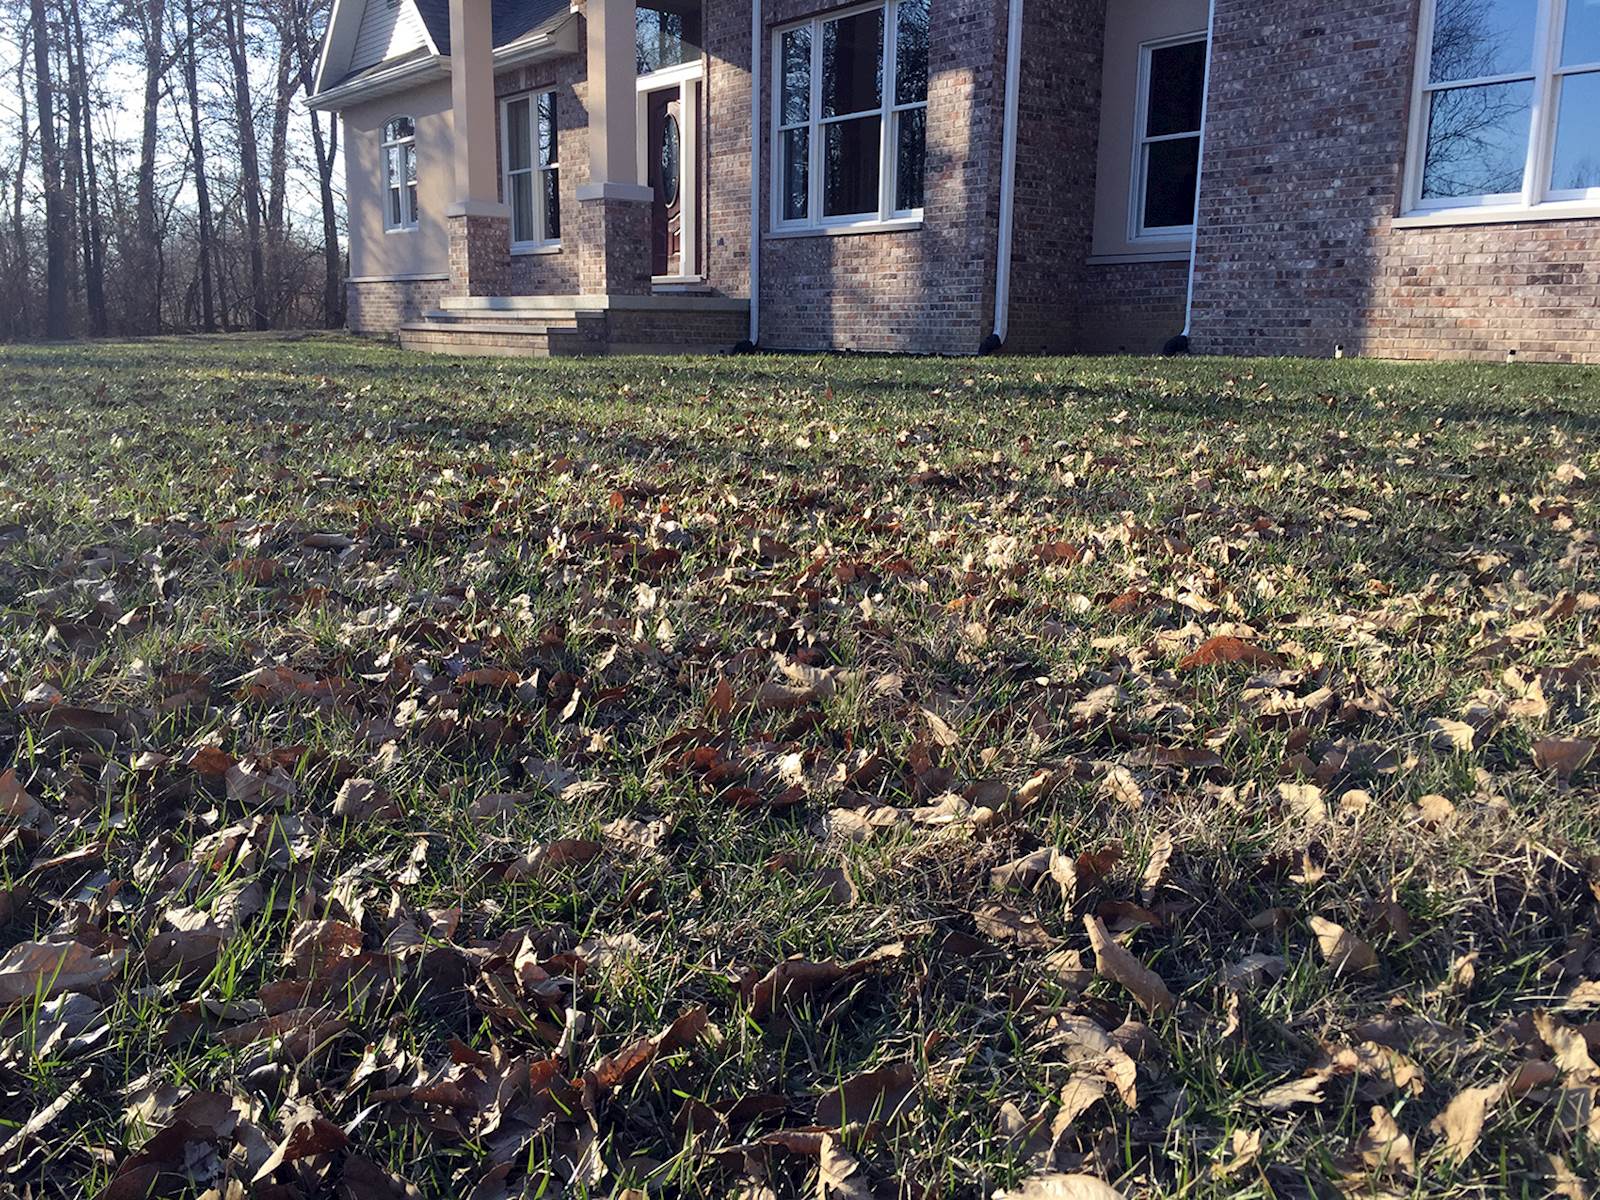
(480, 250)
(613, 247)
(381, 307)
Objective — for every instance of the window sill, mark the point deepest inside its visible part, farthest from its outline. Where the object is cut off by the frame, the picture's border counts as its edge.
(399, 229)
(1581, 210)
(1173, 254)
(546, 248)
(898, 225)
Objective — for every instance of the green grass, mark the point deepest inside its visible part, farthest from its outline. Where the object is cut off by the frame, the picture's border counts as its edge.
(1026, 549)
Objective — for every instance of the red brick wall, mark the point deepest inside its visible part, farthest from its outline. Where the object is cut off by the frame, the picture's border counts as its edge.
(927, 290)
(1306, 144)
(382, 307)
(545, 273)
(1129, 308)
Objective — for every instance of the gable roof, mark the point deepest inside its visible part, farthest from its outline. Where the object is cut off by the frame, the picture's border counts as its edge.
(513, 20)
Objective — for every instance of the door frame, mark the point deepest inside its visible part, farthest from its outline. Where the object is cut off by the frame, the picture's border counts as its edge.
(688, 81)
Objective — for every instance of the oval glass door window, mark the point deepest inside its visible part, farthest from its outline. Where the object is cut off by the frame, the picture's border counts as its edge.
(669, 161)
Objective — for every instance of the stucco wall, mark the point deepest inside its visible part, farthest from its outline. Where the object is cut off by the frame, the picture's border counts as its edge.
(375, 252)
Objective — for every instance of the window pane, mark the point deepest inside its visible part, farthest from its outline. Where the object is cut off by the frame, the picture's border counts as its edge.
(796, 104)
(1581, 43)
(400, 127)
(850, 167)
(1473, 39)
(1177, 89)
(852, 64)
(666, 33)
(391, 167)
(911, 52)
(1172, 175)
(519, 138)
(1477, 141)
(522, 226)
(552, 204)
(549, 150)
(796, 174)
(395, 219)
(410, 151)
(411, 204)
(911, 156)
(1577, 155)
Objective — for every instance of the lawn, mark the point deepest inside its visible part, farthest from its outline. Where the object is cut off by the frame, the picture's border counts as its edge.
(749, 776)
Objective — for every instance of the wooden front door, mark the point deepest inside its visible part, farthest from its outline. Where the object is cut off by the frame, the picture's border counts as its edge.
(664, 158)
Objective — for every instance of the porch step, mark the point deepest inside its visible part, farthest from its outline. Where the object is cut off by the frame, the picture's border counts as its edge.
(486, 331)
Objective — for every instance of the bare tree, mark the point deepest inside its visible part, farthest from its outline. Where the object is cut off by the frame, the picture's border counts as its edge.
(57, 228)
(202, 187)
(90, 229)
(235, 34)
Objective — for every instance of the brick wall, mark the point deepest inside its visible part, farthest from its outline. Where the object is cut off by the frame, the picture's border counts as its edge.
(1057, 135)
(382, 307)
(1129, 308)
(553, 273)
(1310, 105)
(926, 290)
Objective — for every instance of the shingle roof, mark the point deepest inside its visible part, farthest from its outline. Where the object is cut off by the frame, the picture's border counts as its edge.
(512, 19)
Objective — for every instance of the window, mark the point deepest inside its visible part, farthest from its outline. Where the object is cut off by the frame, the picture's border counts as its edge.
(850, 110)
(400, 174)
(1507, 95)
(1171, 100)
(667, 34)
(532, 168)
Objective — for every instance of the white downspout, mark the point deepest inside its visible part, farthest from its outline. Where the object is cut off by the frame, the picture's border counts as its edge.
(1200, 166)
(757, 50)
(1008, 179)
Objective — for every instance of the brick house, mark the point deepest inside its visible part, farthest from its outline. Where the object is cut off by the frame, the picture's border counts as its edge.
(1400, 178)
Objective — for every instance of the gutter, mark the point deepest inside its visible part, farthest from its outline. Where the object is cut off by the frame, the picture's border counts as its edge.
(1008, 182)
(757, 50)
(381, 83)
(1199, 180)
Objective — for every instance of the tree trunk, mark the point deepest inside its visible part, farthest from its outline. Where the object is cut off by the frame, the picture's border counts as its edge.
(56, 228)
(249, 159)
(146, 305)
(202, 189)
(327, 152)
(19, 231)
(284, 82)
(94, 275)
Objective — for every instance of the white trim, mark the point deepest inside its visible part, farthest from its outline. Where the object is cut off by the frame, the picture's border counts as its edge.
(1140, 174)
(381, 81)
(611, 190)
(422, 278)
(1008, 173)
(1200, 169)
(756, 58)
(846, 229)
(654, 81)
(687, 79)
(534, 170)
(888, 113)
(1537, 199)
(551, 42)
(408, 187)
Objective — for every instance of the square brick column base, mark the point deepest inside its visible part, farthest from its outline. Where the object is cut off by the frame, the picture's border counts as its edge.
(614, 239)
(480, 255)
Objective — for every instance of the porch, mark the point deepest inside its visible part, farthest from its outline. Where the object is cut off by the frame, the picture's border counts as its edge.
(687, 322)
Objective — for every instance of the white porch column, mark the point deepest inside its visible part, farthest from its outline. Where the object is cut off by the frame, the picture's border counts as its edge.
(479, 225)
(613, 102)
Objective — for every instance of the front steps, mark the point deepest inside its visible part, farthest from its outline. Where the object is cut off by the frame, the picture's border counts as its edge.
(541, 326)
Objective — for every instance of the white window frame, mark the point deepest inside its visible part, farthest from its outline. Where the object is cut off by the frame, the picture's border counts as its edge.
(889, 114)
(408, 203)
(544, 243)
(1536, 200)
(1137, 230)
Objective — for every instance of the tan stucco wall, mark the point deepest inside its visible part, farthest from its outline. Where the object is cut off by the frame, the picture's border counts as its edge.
(374, 252)
(1129, 24)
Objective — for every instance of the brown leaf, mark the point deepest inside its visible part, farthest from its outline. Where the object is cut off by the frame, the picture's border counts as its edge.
(1342, 950)
(1229, 651)
(875, 1098)
(309, 1134)
(1118, 965)
(1307, 1089)
(838, 1173)
(1006, 923)
(1447, 735)
(1055, 1186)
(47, 969)
(1384, 1147)
(1565, 756)
(316, 947)
(1461, 1122)
(553, 856)
(1155, 872)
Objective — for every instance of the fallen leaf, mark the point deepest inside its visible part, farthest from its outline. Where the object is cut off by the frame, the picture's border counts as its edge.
(1565, 756)
(1342, 950)
(1056, 1186)
(1118, 965)
(1006, 923)
(1461, 1122)
(1230, 651)
(876, 1098)
(1447, 735)
(47, 969)
(1383, 1147)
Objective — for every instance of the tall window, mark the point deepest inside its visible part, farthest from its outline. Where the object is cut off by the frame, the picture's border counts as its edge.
(400, 174)
(1172, 96)
(532, 168)
(1508, 97)
(850, 108)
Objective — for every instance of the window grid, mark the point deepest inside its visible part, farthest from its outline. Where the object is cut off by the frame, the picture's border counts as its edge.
(538, 225)
(810, 130)
(399, 150)
(1144, 140)
(1547, 78)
